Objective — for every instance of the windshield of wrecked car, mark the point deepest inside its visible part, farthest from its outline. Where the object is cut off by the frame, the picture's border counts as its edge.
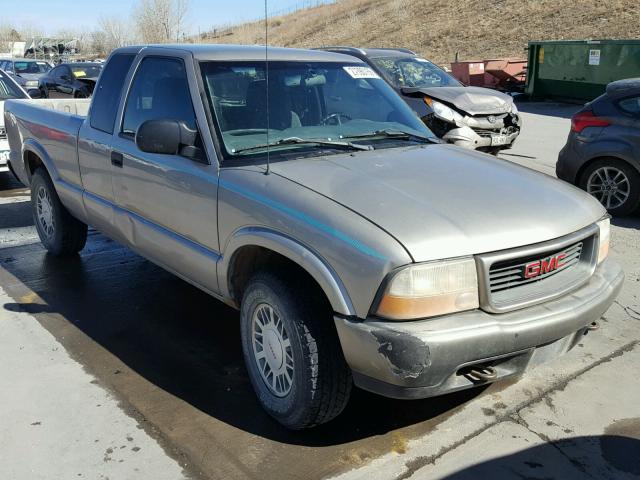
(86, 71)
(8, 88)
(307, 101)
(31, 67)
(414, 72)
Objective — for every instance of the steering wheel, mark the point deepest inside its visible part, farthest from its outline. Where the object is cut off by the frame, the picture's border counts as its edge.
(336, 117)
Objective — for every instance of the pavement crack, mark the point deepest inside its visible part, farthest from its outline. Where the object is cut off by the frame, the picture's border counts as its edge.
(632, 312)
(415, 464)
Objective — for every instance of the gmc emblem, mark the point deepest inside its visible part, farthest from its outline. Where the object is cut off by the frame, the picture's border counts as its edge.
(545, 265)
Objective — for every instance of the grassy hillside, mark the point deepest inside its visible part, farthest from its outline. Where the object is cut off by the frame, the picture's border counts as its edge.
(438, 29)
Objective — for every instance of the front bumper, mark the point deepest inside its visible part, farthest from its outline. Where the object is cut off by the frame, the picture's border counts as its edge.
(424, 358)
(468, 138)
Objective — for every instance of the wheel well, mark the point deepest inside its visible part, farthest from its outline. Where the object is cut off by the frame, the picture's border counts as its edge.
(251, 259)
(32, 162)
(586, 165)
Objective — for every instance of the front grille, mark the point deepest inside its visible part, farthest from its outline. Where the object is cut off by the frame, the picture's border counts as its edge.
(536, 273)
(524, 271)
(486, 133)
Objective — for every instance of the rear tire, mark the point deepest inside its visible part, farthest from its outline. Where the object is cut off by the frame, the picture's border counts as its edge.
(292, 352)
(60, 233)
(614, 183)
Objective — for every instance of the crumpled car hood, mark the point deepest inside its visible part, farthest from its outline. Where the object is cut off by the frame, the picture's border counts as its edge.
(473, 100)
(441, 201)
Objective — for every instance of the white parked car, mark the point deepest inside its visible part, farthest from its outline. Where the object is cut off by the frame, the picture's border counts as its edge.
(9, 89)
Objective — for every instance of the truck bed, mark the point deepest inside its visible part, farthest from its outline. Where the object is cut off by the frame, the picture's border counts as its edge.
(50, 128)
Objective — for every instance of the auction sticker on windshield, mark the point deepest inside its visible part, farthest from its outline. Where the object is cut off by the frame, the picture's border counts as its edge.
(361, 72)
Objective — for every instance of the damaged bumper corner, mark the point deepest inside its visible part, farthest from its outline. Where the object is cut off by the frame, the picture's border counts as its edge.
(425, 358)
(468, 138)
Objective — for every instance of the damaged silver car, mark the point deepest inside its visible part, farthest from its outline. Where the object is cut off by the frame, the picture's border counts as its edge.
(471, 117)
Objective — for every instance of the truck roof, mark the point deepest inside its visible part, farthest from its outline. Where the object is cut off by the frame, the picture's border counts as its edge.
(371, 52)
(247, 52)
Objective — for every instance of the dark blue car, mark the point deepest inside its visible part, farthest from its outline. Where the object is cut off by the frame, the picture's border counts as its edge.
(602, 153)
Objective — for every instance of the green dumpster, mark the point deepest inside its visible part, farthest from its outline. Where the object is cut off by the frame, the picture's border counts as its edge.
(579, 69)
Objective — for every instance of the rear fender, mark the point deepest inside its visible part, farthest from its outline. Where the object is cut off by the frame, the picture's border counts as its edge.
(31, 146)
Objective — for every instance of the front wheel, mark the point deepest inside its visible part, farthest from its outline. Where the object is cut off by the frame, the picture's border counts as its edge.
(614, 183)
(292, 353)
(60, 233)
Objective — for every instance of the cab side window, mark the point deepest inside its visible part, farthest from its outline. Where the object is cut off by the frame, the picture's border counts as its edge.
(160, 90)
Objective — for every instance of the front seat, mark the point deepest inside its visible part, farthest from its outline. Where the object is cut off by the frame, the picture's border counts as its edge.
(281, 116)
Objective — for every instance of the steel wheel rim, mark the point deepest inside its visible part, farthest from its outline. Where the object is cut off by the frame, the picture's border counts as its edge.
(610, 186)
(44, 212)
(272, 350)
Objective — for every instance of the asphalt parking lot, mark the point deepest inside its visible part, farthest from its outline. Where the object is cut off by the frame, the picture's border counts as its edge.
(113, 368)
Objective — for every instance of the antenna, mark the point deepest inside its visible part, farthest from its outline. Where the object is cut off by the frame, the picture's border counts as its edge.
(266, 74)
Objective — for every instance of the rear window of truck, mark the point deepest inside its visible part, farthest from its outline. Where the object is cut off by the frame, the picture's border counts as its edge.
(106, 98)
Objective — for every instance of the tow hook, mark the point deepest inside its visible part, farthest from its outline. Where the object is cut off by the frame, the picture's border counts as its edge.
(480, 373)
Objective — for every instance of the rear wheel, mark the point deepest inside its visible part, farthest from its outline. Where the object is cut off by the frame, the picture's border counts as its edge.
(292, 353)
(60, 233)
(614, 183)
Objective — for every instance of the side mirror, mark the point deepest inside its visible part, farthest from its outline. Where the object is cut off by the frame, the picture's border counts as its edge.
(34, 93)
(167, 137)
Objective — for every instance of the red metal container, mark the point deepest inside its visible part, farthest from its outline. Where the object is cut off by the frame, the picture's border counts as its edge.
(498, 73)
(469, 72)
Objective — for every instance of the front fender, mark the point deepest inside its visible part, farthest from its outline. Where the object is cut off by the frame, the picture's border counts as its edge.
(290, 248)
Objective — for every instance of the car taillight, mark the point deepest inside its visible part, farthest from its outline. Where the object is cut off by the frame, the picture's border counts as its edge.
(582, 120)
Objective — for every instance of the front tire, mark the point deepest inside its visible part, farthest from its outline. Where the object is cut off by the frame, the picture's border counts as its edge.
(614, 183)
(60, 233)
(292, 353)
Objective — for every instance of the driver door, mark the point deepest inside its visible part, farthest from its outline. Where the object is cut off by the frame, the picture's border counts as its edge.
(167, 203)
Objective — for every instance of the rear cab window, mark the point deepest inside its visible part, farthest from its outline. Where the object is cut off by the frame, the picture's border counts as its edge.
(106, 97)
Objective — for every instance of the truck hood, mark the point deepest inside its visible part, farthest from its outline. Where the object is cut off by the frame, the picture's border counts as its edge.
(441, 201)
(472, 100)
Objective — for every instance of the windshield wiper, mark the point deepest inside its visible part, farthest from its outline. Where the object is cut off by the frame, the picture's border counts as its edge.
(399, 134)
(312, 141)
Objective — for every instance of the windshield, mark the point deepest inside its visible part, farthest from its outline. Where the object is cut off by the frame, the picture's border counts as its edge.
(329, 102)
(8, 89)
(31, 67)
(89, 71)
(414, 72)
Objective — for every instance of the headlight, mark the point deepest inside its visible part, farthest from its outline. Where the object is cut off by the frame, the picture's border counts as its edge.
(31, 83)
(429, 289)
(445, 113)
(514, 109)
(605, 236)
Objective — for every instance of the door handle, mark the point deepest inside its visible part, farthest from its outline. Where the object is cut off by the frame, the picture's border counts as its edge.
(117, 160)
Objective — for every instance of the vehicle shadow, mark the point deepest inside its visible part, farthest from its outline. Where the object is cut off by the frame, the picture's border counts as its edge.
(16, 215)
(627, 222)
(571, 458)
(181, 340)
(9, 183)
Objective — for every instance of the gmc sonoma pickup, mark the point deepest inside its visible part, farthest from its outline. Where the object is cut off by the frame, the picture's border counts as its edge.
(358, 248)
